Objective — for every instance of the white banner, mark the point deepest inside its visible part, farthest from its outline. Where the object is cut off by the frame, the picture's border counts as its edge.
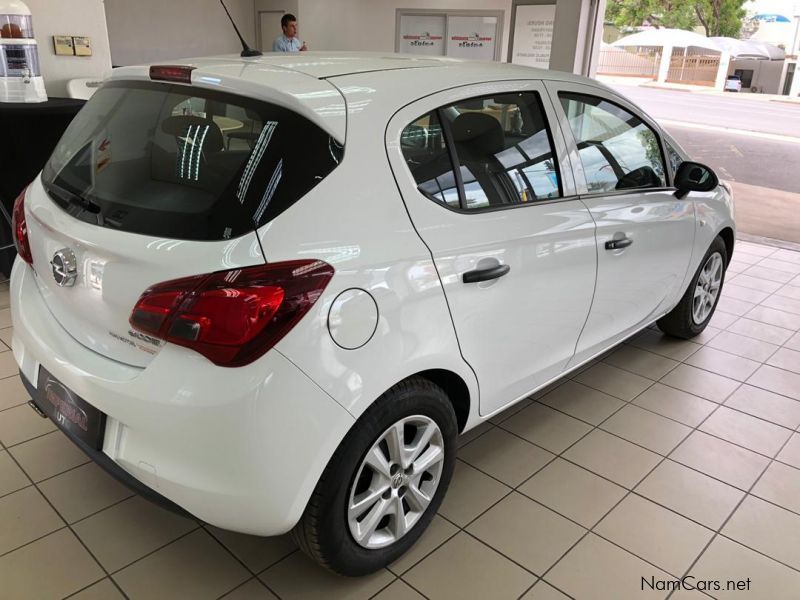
(472, 37)
(422, 34)
(533, 35)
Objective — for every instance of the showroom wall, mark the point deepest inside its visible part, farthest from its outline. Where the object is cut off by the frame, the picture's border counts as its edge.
(143, 31)
(370, 24)
(70, 17)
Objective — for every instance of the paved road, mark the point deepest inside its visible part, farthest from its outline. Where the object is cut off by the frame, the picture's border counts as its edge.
(750, 160)
(731, 110)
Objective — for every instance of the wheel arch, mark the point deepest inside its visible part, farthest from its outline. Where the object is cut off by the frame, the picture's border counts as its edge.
(727, 236)
(456, 389)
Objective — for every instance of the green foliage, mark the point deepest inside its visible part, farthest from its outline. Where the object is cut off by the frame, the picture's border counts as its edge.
(720, 17)
(717, 17)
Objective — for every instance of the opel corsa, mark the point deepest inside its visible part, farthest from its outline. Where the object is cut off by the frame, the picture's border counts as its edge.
(271, 292)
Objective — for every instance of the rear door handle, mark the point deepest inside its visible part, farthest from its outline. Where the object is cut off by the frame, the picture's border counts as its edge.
(479, 275)
(618, 244)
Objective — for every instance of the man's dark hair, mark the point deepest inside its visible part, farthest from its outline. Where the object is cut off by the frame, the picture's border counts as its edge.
(287, 18)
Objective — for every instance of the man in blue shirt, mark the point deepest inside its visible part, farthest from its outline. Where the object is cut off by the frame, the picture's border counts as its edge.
(289, 41)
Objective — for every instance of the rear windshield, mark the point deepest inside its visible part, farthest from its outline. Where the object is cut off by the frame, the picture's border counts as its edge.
(185, 163)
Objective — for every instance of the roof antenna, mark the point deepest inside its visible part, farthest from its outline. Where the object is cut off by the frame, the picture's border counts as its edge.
(247, 51)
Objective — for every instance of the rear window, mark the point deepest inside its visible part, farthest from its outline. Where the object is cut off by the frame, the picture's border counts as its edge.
(184, 162)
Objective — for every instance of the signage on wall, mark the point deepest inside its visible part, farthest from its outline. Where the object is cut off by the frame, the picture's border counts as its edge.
(472, 37)
(533, 35)
(82, 45)
(63, 45)
(422, 34)
(69, 45)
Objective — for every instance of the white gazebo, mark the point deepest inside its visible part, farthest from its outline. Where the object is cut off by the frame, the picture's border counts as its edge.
(751, 49)
(668, 39)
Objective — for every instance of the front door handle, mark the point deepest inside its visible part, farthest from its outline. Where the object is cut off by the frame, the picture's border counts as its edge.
(479, 275)
(618, 244)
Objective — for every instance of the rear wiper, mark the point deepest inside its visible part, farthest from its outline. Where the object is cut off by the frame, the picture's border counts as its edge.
(74, 199)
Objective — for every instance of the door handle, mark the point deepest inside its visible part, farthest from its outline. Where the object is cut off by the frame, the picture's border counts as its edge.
(479, 275)
(618, 244)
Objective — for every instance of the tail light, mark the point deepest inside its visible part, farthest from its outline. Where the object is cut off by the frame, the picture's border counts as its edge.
(20, 228)
(232, 317)
(175, 73)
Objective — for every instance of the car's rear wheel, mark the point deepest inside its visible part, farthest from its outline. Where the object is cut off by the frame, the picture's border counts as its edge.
(692, 314)
(384, 483)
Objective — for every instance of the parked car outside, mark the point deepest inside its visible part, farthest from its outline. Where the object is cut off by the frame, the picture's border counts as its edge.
(733, 83)
(271, 292)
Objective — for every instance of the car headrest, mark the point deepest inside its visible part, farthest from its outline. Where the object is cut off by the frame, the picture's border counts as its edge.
(190, 126)
(480, 133)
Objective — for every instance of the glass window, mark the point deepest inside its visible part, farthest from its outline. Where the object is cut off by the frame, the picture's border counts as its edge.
(185, 162)
(675, 159)
(426, 155)
(503, 149)
(617, 149)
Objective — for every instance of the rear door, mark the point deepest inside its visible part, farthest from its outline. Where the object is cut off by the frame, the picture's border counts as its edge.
(645, 233)
(156, 181)
(487, 186)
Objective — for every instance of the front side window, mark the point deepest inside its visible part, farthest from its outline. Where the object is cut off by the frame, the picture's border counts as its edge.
(618, 150)
(503, 153)
(185, 162)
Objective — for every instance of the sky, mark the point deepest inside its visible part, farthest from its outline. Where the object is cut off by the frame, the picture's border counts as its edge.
(781, 7)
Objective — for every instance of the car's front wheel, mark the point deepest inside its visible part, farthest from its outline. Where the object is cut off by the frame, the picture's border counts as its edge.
(384, 483)
(692, 314)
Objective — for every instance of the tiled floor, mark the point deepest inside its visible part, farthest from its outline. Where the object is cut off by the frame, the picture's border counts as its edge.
(664, 459)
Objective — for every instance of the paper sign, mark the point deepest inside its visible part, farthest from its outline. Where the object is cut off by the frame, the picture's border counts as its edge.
(422, 34)
(533, 35)
(83, 46)
(471, 37)
(63, 45)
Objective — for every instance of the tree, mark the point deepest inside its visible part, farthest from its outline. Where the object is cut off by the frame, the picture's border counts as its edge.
(717, 17)
(675, 14)
(720, 17)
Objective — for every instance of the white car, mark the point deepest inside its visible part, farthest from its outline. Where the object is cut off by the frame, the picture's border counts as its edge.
(273, 291)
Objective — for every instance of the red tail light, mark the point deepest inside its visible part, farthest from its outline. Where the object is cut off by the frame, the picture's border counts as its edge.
(20, 228)
(232, 317)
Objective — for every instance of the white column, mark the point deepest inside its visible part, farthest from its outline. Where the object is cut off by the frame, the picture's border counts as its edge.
(577, 33)
(784, 71)
(663, 67)
(722, 72)
(794, 91)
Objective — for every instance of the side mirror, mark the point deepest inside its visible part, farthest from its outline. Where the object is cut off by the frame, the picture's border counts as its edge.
(694, 177)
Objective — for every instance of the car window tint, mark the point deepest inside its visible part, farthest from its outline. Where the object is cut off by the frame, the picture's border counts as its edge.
(617, 149)
(502, 145)
(426, 155)
(503, 149)
(184, 162)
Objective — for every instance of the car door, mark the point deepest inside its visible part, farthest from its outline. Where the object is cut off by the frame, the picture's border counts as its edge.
(488, 188)
(644, 232)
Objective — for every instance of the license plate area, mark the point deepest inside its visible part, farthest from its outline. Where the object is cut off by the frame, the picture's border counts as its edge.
(70, 412)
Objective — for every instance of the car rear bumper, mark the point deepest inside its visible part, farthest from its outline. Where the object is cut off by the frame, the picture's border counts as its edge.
(238, 448)
(104, 462)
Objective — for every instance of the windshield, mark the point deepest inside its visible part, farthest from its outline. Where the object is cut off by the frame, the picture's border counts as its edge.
(185, 163)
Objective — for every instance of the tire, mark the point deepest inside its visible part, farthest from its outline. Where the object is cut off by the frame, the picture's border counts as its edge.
(325, 532)
(682, 321)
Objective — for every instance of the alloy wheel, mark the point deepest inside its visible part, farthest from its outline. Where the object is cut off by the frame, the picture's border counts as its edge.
(396, 481)
(707, 289)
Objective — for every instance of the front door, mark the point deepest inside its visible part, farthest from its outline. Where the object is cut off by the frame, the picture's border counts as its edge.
(645, 233)
(487, 185)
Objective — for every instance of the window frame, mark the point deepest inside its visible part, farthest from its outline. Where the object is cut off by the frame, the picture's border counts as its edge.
(556, 88)
(541, 97)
